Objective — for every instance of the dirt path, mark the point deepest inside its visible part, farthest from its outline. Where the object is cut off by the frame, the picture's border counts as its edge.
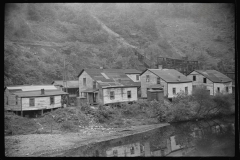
(50, 144)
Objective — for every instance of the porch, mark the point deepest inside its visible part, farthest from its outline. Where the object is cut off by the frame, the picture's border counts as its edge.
(91, 96)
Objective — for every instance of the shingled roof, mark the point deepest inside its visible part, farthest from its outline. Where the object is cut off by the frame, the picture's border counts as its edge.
(112, 77)
(170, 75)
(30, 87)
(214, 76)
(70, 84)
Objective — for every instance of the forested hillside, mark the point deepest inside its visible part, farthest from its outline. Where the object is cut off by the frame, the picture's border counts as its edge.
(38, 37)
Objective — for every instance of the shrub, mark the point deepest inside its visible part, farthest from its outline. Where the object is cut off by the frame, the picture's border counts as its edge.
(69, 126)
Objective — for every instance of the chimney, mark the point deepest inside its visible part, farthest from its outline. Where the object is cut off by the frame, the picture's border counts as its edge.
(42, 91)
(160, 67)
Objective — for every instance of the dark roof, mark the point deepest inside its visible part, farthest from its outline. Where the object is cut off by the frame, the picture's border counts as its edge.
(170, 75)
(111, 77)
(132, 71)
(38, 93)
(214, 76)
(70, 84)
(156, 86)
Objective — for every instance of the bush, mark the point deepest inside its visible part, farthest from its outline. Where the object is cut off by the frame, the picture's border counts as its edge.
(69, 126)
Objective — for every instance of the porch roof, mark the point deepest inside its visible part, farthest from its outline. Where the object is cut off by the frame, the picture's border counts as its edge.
(90, 90)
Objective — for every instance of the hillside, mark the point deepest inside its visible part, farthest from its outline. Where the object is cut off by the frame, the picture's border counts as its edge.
(38, 37)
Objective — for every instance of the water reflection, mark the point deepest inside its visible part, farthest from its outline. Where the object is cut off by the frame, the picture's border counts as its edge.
(204, 138)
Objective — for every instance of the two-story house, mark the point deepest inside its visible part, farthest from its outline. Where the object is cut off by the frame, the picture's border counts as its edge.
(106, 86)
(173, 82)
(214, 81)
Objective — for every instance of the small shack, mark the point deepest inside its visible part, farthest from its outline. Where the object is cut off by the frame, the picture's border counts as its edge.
(155, 92)
(30, 100)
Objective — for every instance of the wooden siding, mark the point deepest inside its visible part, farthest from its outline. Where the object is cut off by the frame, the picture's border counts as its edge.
(89, 82)
(222, 87)
(120, 95)
(180, 87)
(153, 80)
(134, 77)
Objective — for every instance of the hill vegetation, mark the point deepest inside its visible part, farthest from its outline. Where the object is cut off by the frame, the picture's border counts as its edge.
(38, 37)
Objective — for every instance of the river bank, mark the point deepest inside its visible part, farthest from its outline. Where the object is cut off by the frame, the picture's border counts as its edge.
(35, 145)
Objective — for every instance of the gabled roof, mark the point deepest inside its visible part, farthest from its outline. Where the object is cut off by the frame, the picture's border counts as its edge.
(170, 75)
(70, 84)
(38, 93)
(214, 76)
(111, 77)
(30, 87)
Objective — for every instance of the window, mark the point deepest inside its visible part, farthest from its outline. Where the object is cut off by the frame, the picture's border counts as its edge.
(31, 102)
(204, 80)
(147, 78)
(112, 95)
(194, 78)
(132, 150)
(94, 84)
(158, 80)
(84, 81)
(16, 100)
(115, 152)
(52, 100)
(141, 148)
(226, 89)
(137, 77)
(186, 90)
(129, 94)
(218, 89)
(174, 90)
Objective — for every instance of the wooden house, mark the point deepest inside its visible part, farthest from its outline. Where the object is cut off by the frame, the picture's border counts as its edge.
(172, 82)
(214, 81)
(33, 98)
(106, 86)
(71, 87)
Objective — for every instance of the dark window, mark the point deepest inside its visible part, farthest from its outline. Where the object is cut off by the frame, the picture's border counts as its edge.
(194, 78)
(132, 150)
(112, 95)
(204, 80)
(31, 102)
(226, 89)
(94, 84)
(174, 90)
(137, 77)
(147, 78)
(141, 148)
(84, 81)
(16, 100)
(218, 89)
(129, 94)
(115, 153)
(52, 100)
(158, 80)
(186, 90)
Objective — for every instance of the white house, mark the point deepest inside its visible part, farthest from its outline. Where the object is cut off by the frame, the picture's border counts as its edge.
(108, 86)
(214, 81)
(173, 82)
(33, 98)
